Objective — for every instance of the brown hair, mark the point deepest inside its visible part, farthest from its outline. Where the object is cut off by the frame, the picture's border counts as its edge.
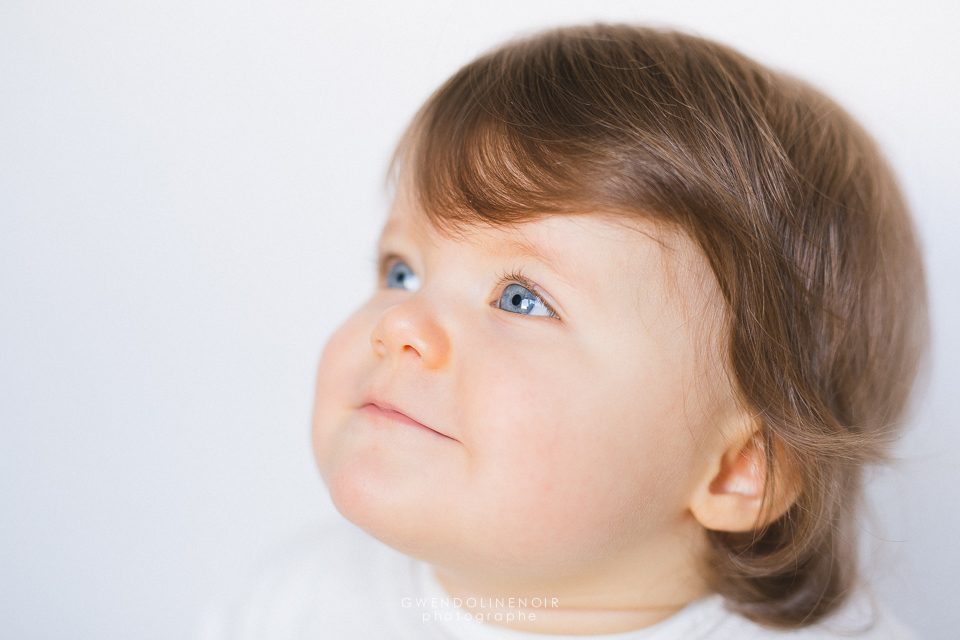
(798, 214)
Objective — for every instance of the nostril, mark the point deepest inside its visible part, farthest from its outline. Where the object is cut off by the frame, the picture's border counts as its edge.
(378, 345)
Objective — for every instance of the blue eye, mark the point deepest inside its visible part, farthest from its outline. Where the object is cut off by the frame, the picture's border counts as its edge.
(518, 299)
(400, 276)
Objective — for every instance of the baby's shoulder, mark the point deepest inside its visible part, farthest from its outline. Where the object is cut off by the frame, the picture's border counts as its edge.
(335, 581)
(862, 617)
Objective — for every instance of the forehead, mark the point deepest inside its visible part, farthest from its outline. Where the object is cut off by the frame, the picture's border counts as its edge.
(551, 239)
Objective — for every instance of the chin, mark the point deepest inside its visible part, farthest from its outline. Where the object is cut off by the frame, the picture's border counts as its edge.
(357, 502)
(384, 498)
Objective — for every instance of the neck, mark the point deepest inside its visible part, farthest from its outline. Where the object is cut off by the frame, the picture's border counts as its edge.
(627, 594)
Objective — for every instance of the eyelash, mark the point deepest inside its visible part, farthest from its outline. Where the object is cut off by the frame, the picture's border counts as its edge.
(515, 277)
(384, 263)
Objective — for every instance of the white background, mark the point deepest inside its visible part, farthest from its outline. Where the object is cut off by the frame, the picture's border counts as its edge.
(189, 197)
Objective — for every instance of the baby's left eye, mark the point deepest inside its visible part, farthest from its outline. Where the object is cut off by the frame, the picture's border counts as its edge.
(518, 299)
(401, 276)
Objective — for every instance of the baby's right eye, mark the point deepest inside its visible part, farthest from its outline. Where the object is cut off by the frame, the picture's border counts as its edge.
(401, 276)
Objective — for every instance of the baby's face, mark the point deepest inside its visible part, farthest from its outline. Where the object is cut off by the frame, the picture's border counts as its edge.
(531, 399)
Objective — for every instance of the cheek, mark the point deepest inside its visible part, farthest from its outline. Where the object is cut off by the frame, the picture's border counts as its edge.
(345, 359)
(574, 454)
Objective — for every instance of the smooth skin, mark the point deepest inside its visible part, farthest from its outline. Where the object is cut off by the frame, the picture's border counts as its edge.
(571, 443)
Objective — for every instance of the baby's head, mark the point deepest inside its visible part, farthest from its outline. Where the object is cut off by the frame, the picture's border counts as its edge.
(646, 310)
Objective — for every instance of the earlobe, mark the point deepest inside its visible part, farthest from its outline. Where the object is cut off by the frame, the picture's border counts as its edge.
(731, 496)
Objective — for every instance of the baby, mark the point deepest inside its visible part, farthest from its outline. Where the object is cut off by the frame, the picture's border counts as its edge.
(645, 311)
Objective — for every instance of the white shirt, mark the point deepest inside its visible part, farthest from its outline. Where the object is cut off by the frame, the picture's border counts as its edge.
(341, 583)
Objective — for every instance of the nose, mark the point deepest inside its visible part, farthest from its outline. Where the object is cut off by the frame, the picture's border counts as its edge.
(411, 328)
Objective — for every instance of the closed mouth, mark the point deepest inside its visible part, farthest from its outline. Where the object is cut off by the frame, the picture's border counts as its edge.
(380, 411)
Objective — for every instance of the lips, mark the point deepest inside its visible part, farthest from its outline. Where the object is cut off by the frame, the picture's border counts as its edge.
(382, 410)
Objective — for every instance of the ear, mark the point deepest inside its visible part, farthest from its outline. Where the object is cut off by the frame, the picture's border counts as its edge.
(731, 495)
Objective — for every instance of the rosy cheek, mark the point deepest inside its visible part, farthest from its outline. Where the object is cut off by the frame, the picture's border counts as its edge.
(531, 455)
(338, 380)
(566, 460)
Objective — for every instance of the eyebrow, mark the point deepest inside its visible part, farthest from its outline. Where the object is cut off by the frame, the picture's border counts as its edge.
(390, 227)
(526, 249)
